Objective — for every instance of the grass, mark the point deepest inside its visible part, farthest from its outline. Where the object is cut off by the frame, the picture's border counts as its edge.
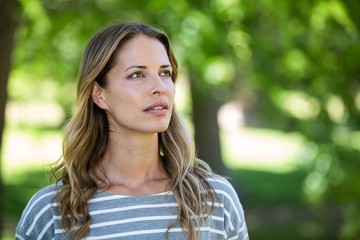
(261, 149)
(276, 189)
(276, 208)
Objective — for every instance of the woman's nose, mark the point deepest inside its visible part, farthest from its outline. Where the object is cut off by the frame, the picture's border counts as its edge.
(157, 86)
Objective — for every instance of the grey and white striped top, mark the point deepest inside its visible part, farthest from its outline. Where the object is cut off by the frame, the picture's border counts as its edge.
(134, 217)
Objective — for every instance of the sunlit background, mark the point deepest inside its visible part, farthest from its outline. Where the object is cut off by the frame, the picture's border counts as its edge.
(270, 89)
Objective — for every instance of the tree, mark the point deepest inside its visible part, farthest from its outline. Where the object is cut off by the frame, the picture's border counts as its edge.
(9, 11)
(208, 57)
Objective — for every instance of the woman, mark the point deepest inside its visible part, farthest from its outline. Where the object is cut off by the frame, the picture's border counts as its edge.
(129, 169)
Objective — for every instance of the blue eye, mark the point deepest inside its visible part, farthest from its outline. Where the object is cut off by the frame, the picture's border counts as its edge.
(135, 75)
(166, 74)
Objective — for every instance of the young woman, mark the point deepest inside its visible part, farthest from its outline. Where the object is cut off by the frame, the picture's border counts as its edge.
(129, 169)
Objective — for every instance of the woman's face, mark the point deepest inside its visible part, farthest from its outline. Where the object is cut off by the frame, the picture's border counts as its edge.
(139, 94)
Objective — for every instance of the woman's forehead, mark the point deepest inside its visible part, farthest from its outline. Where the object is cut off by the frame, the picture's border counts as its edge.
(142, 50)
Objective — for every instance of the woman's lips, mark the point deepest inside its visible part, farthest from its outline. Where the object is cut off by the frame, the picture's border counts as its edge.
(160, 108)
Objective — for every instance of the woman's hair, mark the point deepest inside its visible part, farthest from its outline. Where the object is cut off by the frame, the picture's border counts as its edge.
(86, 137)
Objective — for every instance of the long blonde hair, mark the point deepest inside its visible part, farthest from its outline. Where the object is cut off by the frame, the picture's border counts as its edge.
(86, 136)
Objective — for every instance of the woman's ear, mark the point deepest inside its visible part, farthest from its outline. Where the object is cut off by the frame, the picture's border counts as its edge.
(97, 96)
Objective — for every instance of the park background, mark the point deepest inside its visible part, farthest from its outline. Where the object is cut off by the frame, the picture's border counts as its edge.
(270, 89)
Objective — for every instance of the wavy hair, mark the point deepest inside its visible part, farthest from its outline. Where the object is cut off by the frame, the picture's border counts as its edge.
(86, 136)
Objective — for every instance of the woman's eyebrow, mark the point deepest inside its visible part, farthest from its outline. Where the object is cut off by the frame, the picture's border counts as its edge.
(135, 66)
(165, 66)
(144, 67)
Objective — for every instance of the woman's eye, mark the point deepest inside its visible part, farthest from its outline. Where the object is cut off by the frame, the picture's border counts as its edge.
(136, 75)
(166, 74)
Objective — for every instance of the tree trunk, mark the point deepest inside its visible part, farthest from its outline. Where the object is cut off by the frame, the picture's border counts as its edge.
(7, 29)
(207, 137)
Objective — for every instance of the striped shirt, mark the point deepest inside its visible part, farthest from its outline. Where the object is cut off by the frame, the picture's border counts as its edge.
(134, 217)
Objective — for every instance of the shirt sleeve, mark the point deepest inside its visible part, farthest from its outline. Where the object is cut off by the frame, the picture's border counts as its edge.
(37, 219)
(234, 218)
(235, 225)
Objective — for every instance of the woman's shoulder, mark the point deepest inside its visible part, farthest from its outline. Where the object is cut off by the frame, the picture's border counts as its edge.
(228, 199)
(220, 183)
(45, 195)
(225, 191)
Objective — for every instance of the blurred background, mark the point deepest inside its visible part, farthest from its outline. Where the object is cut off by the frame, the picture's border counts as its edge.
(270, 89)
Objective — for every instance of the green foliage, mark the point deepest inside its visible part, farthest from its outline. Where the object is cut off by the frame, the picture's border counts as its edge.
(306, 78)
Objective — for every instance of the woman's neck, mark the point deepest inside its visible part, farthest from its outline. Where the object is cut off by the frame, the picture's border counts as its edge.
(129, 163)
